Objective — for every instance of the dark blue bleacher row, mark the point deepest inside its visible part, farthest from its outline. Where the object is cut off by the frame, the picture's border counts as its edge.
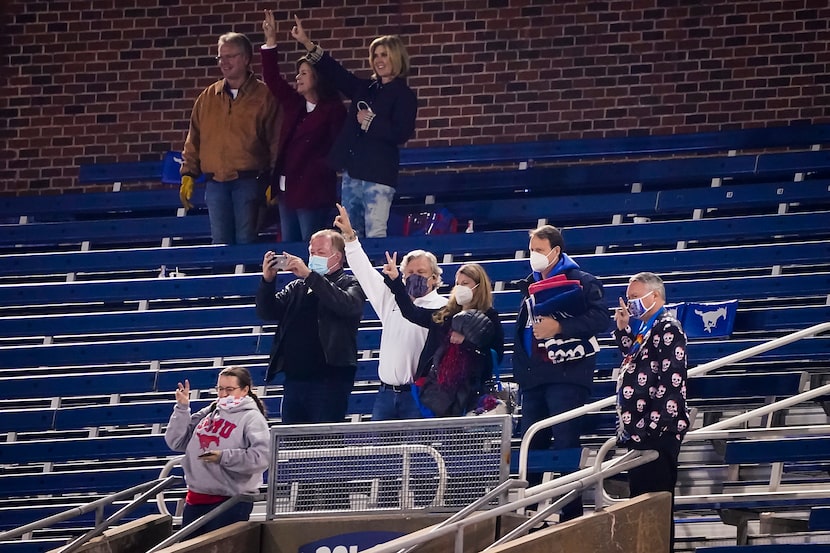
(748, 220)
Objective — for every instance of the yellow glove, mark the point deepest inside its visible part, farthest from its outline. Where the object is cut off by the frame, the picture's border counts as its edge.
(186, 191)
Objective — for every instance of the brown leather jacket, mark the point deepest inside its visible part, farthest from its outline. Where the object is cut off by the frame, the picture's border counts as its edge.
(229, 136)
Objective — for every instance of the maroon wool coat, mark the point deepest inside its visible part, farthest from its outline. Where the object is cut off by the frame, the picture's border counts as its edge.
(305, 141)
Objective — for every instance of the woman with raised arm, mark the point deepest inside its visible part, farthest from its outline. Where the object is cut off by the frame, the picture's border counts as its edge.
(226, 448)
(381, 118)
(463, 339)
(313, 115)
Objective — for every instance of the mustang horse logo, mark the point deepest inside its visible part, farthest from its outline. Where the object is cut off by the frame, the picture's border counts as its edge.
(710, 318)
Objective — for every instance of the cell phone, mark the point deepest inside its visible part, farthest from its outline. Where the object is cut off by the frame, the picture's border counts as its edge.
(205, 454)
(279, 262)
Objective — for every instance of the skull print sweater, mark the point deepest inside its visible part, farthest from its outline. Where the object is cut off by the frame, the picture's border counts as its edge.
(651, 389)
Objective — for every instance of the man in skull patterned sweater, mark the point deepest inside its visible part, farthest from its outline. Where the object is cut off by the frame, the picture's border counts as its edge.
(651, 389)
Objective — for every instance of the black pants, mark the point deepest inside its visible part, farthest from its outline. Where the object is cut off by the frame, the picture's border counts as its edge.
(659, 475)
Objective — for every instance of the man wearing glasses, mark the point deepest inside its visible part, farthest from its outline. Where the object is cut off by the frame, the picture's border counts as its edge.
(233, 142)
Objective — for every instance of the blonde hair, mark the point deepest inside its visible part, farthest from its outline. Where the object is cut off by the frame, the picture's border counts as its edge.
(397, 54)
(482, 295)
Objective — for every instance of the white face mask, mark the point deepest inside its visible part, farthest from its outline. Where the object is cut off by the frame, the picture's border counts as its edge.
(539, 261)
(463, 295)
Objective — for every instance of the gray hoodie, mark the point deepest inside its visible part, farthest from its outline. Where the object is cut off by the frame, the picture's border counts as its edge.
(240, 433)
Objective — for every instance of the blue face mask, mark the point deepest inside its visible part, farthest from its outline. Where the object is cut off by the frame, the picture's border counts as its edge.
(417, 286)
(319, 264)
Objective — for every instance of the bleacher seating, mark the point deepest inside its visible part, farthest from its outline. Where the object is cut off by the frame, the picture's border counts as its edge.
(92, 342)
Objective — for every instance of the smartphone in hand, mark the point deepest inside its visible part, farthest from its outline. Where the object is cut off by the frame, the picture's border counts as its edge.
(280, 262)
(205, 454)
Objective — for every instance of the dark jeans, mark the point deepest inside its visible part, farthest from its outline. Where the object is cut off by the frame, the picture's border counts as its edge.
(238, 513)
(309, 401)
(546, 401)
(232, 208)
(659, 475)
(297, 225)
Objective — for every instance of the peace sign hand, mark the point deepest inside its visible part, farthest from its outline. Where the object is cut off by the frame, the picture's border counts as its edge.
(300, 35)
(390, 268)
(183, 393)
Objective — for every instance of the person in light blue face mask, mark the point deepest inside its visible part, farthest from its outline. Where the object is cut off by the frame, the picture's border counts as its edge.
(315, 343)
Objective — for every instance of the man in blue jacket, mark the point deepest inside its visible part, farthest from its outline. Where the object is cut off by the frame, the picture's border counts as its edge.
(555, 353)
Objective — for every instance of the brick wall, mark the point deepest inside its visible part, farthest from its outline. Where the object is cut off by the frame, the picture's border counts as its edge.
(104, 81)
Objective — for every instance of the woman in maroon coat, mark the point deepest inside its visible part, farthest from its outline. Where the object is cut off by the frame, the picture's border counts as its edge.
(312, 117)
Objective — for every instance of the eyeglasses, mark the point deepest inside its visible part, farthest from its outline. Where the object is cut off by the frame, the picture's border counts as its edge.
(228, 57)
(227, 389)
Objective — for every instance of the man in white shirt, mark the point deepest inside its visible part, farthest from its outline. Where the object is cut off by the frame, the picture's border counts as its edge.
(401, 341)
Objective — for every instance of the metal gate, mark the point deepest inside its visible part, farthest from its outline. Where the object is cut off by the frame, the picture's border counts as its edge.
(435, 464)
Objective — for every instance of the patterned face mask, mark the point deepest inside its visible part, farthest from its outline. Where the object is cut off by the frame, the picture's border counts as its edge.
(229, 402)
(417, 286)
(637, 309)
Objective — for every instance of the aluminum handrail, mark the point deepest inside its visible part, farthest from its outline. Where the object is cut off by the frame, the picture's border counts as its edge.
(553, 488)
(721, 430)
(543, 424)
(502, 488)
(99, 529)
(186, 531)
(83, 509)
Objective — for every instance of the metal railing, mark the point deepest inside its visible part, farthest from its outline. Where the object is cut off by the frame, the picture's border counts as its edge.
(558, 487)
(147, 490)
(535, 428)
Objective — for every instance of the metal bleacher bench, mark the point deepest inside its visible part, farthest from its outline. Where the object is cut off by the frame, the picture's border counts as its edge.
(506, 212)
(594, 148)
(613, 176)
(714, 231)
(245, 286)
(115, 448)
(740, 507)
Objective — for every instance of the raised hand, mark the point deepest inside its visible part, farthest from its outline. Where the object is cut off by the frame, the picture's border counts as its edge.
(390, 268)
(300, 35)
(269, 27)
(621, 316)
(343, 223)
(183, 393)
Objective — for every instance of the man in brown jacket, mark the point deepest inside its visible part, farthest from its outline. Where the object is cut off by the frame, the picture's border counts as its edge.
(233, 142)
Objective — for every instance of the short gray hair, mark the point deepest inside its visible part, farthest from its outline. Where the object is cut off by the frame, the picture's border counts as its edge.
(433, 262)
(651, 281)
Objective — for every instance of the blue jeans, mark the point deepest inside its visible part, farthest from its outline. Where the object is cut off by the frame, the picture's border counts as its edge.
(238, 513)
(321, 400)
(232, 207)
(367, 204)
(392, 405)
(299, 224)
(546, 401)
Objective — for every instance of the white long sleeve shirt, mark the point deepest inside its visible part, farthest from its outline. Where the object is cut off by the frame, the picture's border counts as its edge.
(401, 342)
